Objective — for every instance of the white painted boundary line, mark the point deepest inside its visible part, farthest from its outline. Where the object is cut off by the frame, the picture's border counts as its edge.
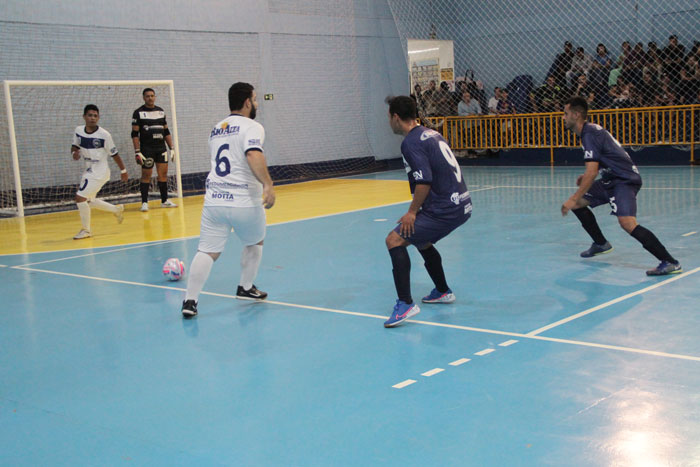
(432, 372)
(611, 302)
(383, 317)
(688, 234)
(403, 384)
(484, 352)
(3, 265)
(508, 343)
(460, 361)
(549, 187)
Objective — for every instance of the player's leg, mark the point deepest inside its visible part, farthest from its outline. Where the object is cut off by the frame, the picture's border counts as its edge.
(401, 263)
(433, 264)
(117, 210)
(86, 192)
(249, 225)
(624, 205)
(145, 185)
(596, 196)
(162, 172)
(212, 239)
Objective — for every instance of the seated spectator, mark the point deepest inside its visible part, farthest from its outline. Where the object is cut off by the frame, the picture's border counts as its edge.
(648, 89)
(582, 88)
(444, 106)
(493, 102)
(504, 104)
(581, 63)
(690, 80)
(633, 64)
(623, 99)
(562, 64)
(420, 100)
(673, 56)
(664, 94)
(468, 105)
(547, 97)
(429, 99)
(653, 64)
(602, 59)
(625, 55)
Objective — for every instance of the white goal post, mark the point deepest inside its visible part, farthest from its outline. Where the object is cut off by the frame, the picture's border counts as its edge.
(52, 109)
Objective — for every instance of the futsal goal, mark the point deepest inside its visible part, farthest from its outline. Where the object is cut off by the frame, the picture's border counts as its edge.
(37, 171)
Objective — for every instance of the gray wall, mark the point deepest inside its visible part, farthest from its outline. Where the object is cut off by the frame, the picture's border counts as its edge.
(329, 64)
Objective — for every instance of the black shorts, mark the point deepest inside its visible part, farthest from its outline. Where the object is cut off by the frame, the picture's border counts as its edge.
(159, 157)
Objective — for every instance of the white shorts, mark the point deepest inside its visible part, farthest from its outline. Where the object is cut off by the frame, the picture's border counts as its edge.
(89, 187)
(217, 222)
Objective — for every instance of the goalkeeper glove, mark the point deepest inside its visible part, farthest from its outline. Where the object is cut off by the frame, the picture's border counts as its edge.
(139, 157)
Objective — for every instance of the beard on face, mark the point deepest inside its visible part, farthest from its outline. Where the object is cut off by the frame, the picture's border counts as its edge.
(253, 113)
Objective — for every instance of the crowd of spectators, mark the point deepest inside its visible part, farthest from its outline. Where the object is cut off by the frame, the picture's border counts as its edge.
(637, 78)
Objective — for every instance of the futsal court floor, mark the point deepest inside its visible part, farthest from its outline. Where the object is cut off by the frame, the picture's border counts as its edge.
(544, 359)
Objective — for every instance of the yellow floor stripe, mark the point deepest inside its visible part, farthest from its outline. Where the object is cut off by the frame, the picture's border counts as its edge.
(54, 231)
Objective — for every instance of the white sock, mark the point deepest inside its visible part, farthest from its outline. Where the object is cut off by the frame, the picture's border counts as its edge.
(250, 261)
(103, 205)
(198, 275)
(84, 210)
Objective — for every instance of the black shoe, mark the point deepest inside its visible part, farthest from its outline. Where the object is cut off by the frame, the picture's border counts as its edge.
(189, 309)
(252, 293)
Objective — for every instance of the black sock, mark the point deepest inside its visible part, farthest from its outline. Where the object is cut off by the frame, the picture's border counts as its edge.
(433, 264)
(144, 192)
(590, 225)
(652, 244)
(402, 273)
(163, 187)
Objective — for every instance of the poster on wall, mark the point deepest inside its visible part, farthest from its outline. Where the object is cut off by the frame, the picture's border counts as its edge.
(431, 60)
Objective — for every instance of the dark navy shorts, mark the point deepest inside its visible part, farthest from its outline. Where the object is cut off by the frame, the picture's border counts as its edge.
(429, 229)
(621, 196)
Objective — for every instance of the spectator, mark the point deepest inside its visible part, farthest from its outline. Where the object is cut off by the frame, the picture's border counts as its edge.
(468, 105)
(493, 102)
(690, 80)
(547, 97)
(562, 64)
(429, 99)
(504, 104)
(654, 62)
(460, 87)
(583, 89)
(625, 55)
(664, 94)
(602, 59)
(673, 56)
(443, 101)
(623, 99)
(581, 63)
(419, 98)
(633, 65)
(647, 89)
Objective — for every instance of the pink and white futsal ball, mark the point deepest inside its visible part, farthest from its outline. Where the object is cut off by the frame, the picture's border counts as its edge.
(174, 269)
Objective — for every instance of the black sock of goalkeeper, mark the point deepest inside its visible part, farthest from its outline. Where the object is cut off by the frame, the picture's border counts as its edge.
(163, 187)
(652, 244)
(433, 264)
(590, 225)
(144, 191)
(402, 273)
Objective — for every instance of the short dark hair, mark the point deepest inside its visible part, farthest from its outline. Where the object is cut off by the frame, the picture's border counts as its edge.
(578, 104)
(579, 49)
(238, 93)
(90, 107)
(143, 93)
(403, 106)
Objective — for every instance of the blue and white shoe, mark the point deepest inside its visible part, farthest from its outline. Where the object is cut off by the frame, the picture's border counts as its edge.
(439, 297)
(665, 268)
(402, 311)
(596, 250)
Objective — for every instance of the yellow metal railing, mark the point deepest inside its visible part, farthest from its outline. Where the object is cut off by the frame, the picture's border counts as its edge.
(647, 126)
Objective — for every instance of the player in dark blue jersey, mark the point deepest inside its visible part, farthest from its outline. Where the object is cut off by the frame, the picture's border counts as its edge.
(441, 203)
(618, 186)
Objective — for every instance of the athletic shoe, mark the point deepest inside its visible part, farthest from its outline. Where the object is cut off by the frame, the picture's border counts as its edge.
(82, 234)
(596, 250)
(439, 297)
(168, 204)
(144, 207)
(252, 293)
(189, 309)
(402, 311)
(120, 213)
(665, 268)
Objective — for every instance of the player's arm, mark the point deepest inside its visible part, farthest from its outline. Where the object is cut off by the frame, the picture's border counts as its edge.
(408, 220)
(584, 183)
(258, 165)
(75, 151)
(169, 141)
(118, 160)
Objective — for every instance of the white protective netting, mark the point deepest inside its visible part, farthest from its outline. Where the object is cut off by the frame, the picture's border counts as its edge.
(502, 43)
(45, 118)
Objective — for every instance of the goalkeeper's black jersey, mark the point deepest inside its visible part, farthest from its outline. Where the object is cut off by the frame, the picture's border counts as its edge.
(151, 123)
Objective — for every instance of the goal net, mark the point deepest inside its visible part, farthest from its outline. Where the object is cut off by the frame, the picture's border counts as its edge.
(37, 124)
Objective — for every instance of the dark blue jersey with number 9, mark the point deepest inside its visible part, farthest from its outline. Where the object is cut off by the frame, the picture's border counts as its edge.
(429, 160)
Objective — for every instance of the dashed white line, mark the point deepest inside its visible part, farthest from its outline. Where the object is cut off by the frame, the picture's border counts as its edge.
(485, 352)
(460, 361)
(403, 384)
(688, 234)
(507, 343)
(380, 220)
(432, 372)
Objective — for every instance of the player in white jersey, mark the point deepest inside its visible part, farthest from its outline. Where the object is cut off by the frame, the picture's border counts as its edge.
(95, 146)
(238, 187)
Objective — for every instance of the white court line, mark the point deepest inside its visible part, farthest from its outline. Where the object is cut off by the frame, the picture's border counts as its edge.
(688, 234)
(548, 187)
(432, 372)
(383, 317)
(460, 361)
(403, 384)
(611, 302)
(508, 343)
(484, 352)
(3, 265)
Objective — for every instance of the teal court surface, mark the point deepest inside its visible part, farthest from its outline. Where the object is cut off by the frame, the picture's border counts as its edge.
(544, 359)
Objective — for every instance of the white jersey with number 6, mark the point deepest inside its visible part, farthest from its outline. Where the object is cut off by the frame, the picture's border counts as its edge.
(230, 181)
